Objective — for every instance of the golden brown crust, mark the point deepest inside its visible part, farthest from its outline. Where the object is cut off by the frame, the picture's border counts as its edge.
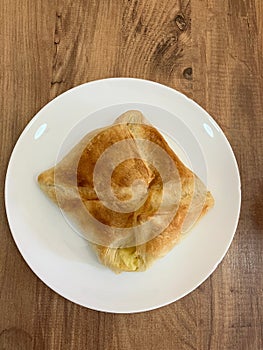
(72, 179)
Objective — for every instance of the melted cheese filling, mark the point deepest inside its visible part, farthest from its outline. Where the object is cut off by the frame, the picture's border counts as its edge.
(129, 259)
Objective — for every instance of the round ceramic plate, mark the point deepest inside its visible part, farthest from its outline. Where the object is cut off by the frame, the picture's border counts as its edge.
(61, 258)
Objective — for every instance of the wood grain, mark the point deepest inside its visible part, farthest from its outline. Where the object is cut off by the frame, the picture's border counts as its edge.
(212, 51)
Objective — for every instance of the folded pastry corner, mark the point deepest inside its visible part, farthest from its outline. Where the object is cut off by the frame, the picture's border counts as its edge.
(115, 233)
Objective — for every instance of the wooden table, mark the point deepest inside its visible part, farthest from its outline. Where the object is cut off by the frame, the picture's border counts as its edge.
(209, 49)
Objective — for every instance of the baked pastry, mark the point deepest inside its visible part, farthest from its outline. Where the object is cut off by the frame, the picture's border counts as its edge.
(127, 192)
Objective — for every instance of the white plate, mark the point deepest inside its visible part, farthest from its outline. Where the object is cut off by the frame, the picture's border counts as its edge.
(62, 259)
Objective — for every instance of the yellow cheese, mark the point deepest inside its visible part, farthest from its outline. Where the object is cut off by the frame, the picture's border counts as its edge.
(129, 260)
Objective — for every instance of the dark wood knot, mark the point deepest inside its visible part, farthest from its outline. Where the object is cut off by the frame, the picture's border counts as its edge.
(54, 82)
(180, 22)
(188, 73)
